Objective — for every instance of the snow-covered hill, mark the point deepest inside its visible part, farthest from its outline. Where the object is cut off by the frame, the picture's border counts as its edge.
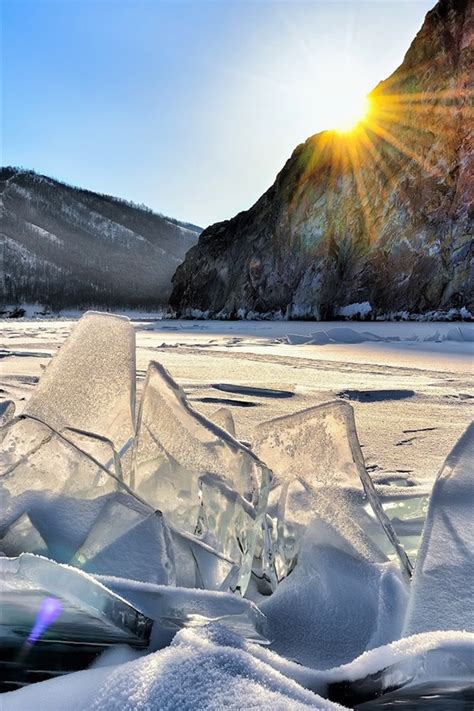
(63, 246)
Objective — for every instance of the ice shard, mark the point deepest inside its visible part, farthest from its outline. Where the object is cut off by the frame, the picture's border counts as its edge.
(174, 608)
(90, 383)
(197, 565)
(87, 619)
(224, 418)
(406, 508)
(73, 433)
(61, 487)
(175, 448)
(441, 592)
(128, 540)
(22, 537)
(320, 473)
(7, 411)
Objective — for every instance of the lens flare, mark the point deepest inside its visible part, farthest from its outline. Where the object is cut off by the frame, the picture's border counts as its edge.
(49, 611)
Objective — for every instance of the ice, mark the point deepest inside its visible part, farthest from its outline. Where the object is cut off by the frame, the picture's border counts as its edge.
(297, 339)
(441, 595)
(39, 469)
(7, 411)
(227, 522)
(22, 537)
(406, 508)
(197, 565)
(319, 338)
(175, 608)
(224, 418)
(343, 334)
(87, 618)
(74, 589)
(175, 448)
(77, 423)
(320, 473)
(90, 384)
(128, 539)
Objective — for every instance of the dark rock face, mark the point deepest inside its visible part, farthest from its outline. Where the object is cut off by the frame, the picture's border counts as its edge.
(383, 214)
(65, 247)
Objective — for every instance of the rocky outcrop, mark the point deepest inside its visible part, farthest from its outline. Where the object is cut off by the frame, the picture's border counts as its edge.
(381, 216)
(65, 247)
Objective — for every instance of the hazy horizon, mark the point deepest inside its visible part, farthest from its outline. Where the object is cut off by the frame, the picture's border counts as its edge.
(189, 107)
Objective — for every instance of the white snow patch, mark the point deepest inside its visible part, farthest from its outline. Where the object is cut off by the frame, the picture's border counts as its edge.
(358, 309)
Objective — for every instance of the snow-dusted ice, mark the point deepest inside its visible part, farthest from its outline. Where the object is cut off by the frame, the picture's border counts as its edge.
(442, 589)
(89, 610)
(130, 538)
(22, 536)
(168, 513)
(320, 476)
(90, 384)
(203, 479)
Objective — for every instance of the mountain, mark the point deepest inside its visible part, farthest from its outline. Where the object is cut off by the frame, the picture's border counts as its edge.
(380, 218)
(61, 246)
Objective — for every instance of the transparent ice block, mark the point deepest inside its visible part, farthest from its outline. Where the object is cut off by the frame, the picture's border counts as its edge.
(223, 418)
(175, 448)
(59, 486)
(22, 537)
(87, 619)
(90, 383)
(320, 473)
(128, 540)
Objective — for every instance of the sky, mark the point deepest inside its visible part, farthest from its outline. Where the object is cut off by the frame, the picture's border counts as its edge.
(188, 106)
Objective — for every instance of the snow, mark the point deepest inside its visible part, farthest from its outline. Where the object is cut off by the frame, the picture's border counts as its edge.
(334, 605)
(209, 669)
(360, 309)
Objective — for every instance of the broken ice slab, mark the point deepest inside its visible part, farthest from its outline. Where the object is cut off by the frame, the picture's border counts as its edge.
(60, 487)
(88, 618)
(425, 671)
(90, 383)
(406, 507)
(197, 565)
(173, 608)
(317, 461)
(176, 446)
(228, 523)
(22, 537)
(441, 592)
(7, 411)
(224, 418)
(128, 540)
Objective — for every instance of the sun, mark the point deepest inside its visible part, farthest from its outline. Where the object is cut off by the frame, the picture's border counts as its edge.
(346, 111)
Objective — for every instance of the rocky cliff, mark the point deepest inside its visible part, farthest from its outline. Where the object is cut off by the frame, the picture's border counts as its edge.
(65, 247)
(381, 216)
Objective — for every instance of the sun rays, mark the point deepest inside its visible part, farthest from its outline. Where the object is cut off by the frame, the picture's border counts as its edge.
(378, 143)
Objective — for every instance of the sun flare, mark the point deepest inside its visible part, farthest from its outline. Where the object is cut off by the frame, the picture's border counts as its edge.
(347, 111)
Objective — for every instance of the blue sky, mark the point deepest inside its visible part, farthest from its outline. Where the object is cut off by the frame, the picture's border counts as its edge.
(190, 107)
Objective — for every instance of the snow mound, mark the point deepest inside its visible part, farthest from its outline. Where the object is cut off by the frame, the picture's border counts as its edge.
(207, 669)
(334, 605)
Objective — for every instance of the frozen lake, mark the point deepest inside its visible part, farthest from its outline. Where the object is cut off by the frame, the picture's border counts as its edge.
(413, 394)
